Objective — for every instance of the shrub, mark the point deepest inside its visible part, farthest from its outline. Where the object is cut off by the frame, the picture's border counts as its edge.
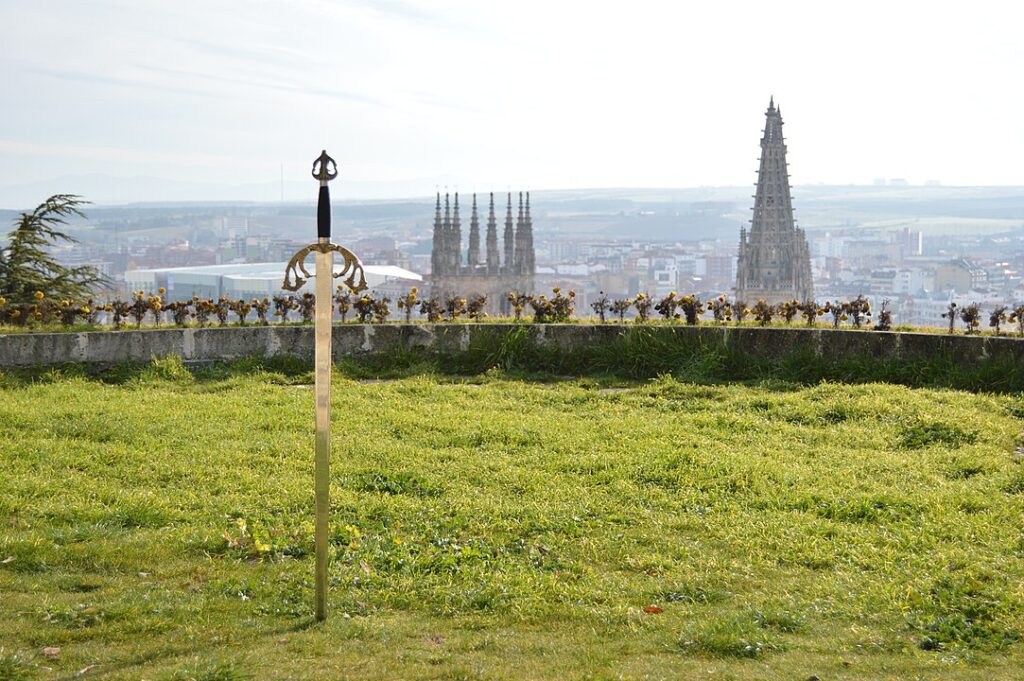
(643, 304)
(721, 309)
(261, 307)
(666, 307)
(600, 306)
(971, 317)
(283, 304)
(455, 307)
(950, 314)
(432, 308)
(518, 302)
(998, 316)
(740, 311)
(476, 306)
(381, 309)
(883, 322)
(407, 303)
(222, 308)
(181, 311)
(788, 310)
(364, 308)
(620, 307)
(1017, 317)
(203, 310)
(810, 311)
(763, 313)
(241, 308)
(306, 305)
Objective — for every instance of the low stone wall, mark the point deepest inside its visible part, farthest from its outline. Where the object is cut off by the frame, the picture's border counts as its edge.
(359, 340)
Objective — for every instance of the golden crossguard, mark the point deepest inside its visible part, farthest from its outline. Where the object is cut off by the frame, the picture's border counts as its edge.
(296, 274)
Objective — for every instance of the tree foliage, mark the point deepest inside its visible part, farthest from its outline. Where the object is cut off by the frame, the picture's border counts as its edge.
(26, 264)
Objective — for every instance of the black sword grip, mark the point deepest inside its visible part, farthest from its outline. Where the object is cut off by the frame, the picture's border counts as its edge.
(323, 213)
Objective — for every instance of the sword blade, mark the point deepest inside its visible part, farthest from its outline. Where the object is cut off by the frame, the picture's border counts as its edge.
(324, 309)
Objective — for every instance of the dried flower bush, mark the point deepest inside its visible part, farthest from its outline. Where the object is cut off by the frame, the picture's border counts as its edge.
(261, 307)
(518, 303)
(431, 307)
(562, 306)
(883, 321)
(222, 308)
(950, 316)
(789, 310)
(859, 310)
(381, 309)
(642, 303)
(363, 306)
(763, 313)
(1017, 317)
(181, 311)
(666, 307)
(476, 306)
(692, 308)
(241, 308)
(408, 303)
(620, 306)
(454, 307)
(971, 317)
(721, 309)
(600, 306)
(306, 305)
(740, 311)
(203, 309)
(283, 305)
(997, 317)
(810, 311)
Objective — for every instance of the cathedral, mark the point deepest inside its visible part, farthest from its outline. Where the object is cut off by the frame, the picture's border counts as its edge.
(493, 275)
(774, 260)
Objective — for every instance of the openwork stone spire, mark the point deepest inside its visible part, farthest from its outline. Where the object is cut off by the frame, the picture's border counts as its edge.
(509, 236)
(473, 259)
(438, 243)
(455, 246)
(493, 257)
(774, 260)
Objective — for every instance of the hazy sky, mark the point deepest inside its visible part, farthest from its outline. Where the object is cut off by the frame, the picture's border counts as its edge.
(543, 94)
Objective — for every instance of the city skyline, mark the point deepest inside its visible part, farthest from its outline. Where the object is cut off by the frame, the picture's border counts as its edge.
(658, 97)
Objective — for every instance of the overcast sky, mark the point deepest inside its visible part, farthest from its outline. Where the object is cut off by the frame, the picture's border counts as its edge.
(544, 94)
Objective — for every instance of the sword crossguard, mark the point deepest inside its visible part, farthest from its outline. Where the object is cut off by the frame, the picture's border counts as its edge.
(324, 168)
(296, 274)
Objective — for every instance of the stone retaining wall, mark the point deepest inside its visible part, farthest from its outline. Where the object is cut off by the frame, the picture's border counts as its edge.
(359, 340)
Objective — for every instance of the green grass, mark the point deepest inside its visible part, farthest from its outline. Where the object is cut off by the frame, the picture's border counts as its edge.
(494, 526)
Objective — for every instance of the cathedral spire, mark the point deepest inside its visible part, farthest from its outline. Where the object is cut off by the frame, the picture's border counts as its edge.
(437, 249)
(474, 239)
(455, 254)
(527, 265)
(509, 237)
(520, 246)
(446, 237)
(774, 259)
(493, 262)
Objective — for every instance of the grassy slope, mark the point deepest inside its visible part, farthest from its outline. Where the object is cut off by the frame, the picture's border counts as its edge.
(501, 528)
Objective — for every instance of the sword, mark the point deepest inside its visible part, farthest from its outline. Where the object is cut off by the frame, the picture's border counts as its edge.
(295, 275)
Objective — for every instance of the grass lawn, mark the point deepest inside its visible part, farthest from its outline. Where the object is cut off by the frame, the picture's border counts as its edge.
(158, 526)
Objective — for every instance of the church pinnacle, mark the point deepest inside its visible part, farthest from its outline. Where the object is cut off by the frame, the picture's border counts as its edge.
(473, 258)
(774, 260)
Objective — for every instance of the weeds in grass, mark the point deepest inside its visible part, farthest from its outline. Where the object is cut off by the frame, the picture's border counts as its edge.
(14, 667)
(923, 434)
(727, 637)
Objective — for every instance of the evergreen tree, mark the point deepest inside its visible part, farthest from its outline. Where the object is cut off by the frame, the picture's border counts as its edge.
(26, 265)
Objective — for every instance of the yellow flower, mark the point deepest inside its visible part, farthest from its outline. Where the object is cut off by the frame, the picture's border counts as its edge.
(2, 300)
(40, 295)
(161, 290)
(415, 290)
(555, 290)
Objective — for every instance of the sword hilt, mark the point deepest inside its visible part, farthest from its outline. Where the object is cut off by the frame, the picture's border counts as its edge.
(324, 170)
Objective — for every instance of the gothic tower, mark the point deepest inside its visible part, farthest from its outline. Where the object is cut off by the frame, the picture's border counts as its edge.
(491, 276)
(774, 261)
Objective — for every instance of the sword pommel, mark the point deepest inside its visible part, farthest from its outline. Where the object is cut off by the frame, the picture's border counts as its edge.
(324, 168)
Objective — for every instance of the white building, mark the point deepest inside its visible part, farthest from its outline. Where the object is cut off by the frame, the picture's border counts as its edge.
(251, 280)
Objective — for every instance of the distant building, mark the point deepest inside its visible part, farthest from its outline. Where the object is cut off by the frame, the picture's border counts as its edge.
(253, 280)
(489, 274)
(774, 261)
